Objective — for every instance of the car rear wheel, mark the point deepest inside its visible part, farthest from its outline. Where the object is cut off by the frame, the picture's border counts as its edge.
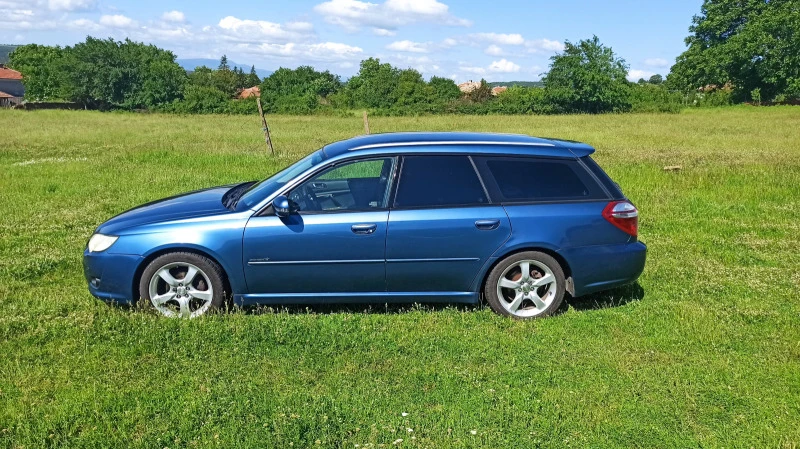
(184, 285)
(525, 285)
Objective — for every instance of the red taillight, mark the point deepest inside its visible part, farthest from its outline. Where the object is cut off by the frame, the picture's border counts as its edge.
(623, 215)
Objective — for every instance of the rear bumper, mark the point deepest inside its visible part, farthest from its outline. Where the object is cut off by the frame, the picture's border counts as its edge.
(110, 276)
(601, 267)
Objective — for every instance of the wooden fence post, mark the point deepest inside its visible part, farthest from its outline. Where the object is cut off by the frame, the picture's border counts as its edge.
(267, 137)
(366, 123)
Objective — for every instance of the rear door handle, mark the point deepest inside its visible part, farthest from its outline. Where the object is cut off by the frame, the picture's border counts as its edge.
(487, 225)
(363, 228)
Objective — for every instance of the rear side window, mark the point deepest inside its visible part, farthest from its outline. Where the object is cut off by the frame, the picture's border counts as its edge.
(427, 181)
(538, 179)
(609, 184)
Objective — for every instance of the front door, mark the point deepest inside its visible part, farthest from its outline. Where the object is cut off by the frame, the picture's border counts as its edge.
(335, 243)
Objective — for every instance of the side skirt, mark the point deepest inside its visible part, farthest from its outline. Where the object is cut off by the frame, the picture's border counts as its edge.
(355, 298)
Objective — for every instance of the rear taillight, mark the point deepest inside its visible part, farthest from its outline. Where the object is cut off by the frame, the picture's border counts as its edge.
(623, 215)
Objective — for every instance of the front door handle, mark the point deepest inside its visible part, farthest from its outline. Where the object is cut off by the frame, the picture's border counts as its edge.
(363, 228)
(487, 225)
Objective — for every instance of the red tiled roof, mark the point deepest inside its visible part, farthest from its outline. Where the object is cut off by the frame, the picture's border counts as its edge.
(5, 95)
(250, 92)
(8, 74)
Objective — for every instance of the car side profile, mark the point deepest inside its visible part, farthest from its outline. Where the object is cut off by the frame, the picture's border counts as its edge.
(383, 218)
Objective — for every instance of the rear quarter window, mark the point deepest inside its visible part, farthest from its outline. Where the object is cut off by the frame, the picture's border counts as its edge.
(527, 179)
(608, 183)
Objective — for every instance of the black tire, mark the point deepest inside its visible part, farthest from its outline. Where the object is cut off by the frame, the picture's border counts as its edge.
(212, 271)
(556, 297)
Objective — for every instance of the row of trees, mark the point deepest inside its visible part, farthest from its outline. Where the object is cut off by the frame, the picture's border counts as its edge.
(739, 50)
(106, 74)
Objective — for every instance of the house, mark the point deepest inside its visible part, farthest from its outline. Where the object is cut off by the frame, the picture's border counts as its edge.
(469, 86)
(497, 90)
(250, 92)
(11, 89)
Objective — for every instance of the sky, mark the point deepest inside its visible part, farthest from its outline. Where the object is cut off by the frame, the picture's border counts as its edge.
(499, 40)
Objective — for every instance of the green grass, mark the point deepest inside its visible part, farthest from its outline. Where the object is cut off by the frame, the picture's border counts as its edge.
(704, 353)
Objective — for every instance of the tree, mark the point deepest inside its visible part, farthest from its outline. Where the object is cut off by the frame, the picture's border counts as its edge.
(43, 71)
(748, 43)
(587, 77)
(223, 63)
(297, 91)
(442, 90)
(656, 79)
(252, 78)
(410, 90)
(374, 85)
(481, 94)
(108, 74)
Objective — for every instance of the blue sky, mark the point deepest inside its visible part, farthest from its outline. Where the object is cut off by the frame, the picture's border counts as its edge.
(499, 40)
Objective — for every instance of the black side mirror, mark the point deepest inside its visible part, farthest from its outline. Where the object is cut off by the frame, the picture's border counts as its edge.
(283, 207)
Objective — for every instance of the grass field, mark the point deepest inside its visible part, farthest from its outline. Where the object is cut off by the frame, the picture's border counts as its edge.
(704, 352)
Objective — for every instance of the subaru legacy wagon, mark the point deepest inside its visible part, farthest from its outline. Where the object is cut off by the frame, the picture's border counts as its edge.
(385, 218)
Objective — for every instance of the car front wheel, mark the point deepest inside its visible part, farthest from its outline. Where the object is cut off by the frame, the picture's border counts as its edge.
(184, 285)
(525, 285)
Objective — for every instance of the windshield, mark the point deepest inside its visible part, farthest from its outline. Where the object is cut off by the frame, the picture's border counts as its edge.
(267, 187)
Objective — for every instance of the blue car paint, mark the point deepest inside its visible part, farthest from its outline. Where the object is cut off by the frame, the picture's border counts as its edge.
(441, 249)
(423, 254)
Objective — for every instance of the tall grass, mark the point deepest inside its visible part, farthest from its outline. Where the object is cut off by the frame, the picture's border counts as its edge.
(703, 352)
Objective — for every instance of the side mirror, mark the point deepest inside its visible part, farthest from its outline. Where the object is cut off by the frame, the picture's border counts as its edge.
(282, 206)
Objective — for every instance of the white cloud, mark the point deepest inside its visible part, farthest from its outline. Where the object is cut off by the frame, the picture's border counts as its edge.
(383, 32)
(498, 38)
(657, 63)
(71, 5)
(257, 31)
(472, 69)
(635, 74)
(83, 25)
(323, 51)
(26, 15)
(493, 50)
(389, 15)
(544, 46)
(449, 42)
(503, 66)
(408, 46)
(117, 21)
(173, 16)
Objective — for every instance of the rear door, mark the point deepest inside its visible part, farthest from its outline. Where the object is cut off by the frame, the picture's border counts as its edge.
(442, 227)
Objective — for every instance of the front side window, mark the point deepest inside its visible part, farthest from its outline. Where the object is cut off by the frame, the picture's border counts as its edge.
(267, 187)
(427, 181)
(540, 179)
(351, 186)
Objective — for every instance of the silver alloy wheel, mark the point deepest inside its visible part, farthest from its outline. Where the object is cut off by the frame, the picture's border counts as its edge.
(527, 288)
(181, 289)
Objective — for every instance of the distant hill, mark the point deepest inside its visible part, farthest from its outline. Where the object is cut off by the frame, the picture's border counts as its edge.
(516, 83)
(6, 50)
(191, 64)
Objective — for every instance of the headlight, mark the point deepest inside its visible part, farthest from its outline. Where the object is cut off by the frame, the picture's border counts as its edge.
(100, 242)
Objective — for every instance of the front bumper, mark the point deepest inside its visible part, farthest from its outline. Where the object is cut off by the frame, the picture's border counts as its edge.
(110, 276)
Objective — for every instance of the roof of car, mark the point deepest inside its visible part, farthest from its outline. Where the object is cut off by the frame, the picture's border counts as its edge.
(489, 142)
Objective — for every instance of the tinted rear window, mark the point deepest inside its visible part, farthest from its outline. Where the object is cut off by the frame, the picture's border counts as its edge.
(534, 179)
(608, 183)
(438, 181)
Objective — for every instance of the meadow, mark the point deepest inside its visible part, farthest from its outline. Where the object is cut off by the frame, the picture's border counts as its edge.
(703, 352)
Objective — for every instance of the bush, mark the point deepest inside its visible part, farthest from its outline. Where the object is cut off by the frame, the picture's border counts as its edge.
(654, 98)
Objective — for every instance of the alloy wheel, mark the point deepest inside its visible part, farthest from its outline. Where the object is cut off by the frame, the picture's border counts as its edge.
(527, 288)
(180, 289)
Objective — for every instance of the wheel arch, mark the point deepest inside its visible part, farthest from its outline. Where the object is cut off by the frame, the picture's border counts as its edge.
(156, 253)
(570, 287)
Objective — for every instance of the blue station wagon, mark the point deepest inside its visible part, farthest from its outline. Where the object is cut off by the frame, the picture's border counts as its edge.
(385, 218)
